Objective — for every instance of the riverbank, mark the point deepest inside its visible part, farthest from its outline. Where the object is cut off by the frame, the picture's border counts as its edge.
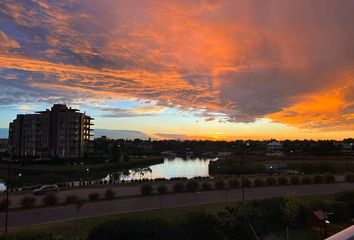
(22, 174)
(253, 164)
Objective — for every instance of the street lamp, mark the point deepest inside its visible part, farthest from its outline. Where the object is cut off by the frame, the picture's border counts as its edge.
(242, 163)
(7, 195)
(88, 176)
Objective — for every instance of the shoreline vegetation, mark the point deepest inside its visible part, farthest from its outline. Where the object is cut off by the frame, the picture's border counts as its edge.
(55, 173)
(251, 164)
(32, 174)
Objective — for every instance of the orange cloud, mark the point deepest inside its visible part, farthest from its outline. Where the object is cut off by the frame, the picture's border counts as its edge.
(325, 109)
(6, 43)
(234, 61)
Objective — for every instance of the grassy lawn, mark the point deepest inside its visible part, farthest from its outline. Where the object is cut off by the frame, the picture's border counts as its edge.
(38, 173)
(72, 168)
(67, 230)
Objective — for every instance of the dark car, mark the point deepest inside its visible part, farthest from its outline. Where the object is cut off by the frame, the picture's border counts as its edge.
(45, 189)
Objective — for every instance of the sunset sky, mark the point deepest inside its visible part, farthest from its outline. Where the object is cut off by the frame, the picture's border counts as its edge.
(187, 69)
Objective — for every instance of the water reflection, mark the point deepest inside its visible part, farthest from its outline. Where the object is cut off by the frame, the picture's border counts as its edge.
(172, 167)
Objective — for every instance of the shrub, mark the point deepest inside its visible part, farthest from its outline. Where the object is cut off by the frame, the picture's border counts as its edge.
(162, 189)
(234, 183)
(329, 178)
(220, 184)
(109, 194)
(71, 199)
(50, 199)
(306, 180)
(283, 181)
(201, 225)
(341, 211)
(133, 228)
(178, 187)
(206, 186)
(94, 196)
(3, 204)
(271, 181)
(30, 235)
(318, 179)
(294, 180)
(146, 189)
(345, 196)
(259, 182)
(349, 177)
(52, 178)
(192, 186)
(246, 182)
(28, 202)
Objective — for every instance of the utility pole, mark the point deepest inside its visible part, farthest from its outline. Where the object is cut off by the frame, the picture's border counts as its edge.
(160, 204)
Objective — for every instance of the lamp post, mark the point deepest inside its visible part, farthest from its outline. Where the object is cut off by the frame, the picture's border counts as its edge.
(242, 169)
(226, 194)
(347, 160)
(88, 176)
(242, 185)
(7, 195)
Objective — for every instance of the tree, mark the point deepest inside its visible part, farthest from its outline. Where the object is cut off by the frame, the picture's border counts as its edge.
(146, 189)
(141, 171)
(236, 222)
(114, 152)
(201, 225)
(291, 210)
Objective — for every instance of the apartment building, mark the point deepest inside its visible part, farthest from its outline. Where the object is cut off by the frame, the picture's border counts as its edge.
(61, 131)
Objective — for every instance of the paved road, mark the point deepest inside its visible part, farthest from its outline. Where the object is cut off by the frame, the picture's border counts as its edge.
(61, 213)
(123, 190)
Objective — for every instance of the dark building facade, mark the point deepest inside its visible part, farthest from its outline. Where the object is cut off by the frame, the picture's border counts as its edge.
(4, 145)
(63, 132)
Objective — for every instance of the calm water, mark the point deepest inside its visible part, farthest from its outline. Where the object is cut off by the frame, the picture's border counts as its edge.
(173, 167)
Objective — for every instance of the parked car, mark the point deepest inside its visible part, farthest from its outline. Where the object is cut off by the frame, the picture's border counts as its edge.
(45, 189)
(2, 187)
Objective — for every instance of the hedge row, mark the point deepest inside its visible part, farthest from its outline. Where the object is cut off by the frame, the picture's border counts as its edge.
(51, 199)
(193, 186)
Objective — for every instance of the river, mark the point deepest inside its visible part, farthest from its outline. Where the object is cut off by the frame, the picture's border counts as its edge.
(171, 168)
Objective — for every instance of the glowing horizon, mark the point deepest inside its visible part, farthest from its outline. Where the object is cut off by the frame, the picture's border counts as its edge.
(218, 70)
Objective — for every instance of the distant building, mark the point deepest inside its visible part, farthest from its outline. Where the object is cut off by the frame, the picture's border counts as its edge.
(145, 146)
(168, 154)
(60, 132)
(225, 154)
(274, 146)
(344, 147)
